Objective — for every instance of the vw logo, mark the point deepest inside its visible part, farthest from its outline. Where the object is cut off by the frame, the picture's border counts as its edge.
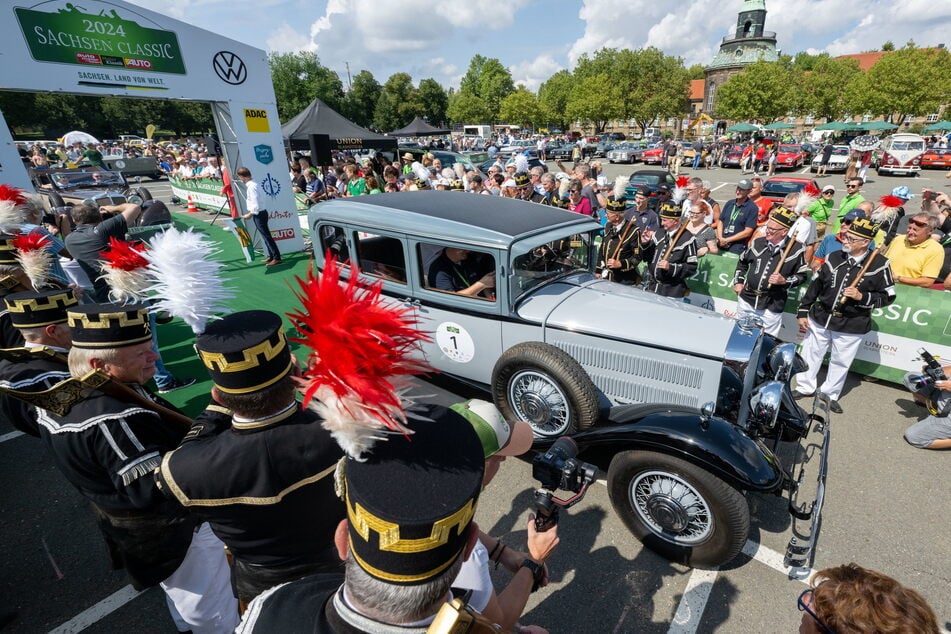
(230, 68)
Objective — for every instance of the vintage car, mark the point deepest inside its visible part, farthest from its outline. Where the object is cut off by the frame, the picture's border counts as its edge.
(686, 410)
(936, 158)
(777, 187)
(559, 152)
(789, 156)
(650, 180)
(837, 162)
(732, 156)
(132, 166)
(627, 152)
(62, 187)
(653, 156)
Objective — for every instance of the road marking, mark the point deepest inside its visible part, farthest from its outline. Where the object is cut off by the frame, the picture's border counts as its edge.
(719, 186)
(693, 602)
(11, 435)
(99, 611)
(774, 560)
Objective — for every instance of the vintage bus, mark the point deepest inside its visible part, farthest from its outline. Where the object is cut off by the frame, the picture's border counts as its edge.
(901, 154)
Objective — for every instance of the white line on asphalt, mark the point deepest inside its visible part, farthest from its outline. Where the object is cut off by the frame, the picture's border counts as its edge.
(102, 609)
(11, 435)
(719, 186)
(774, 560)
(692, 603)
(804, 170)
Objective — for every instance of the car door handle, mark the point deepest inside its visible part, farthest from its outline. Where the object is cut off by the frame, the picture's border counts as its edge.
(411, 301)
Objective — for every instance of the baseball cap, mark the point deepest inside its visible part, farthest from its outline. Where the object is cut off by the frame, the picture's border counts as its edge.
(497, 435)
(745, 184)
(902, 191)
(855, 214)
(828, 188)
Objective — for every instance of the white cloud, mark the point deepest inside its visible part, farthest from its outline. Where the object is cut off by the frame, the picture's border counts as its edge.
(284, 39)
(535, 72)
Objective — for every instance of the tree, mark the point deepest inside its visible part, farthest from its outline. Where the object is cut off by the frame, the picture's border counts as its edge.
(521, 107)
(398, 103)
(362, 98)
(298, 78)
(909, 81)
(553, 98)
(465, 107)
(488, 80)
(762, 92)
(595, 100)
(822, 93)
(433, 101)
(888, 46)
(696, 72)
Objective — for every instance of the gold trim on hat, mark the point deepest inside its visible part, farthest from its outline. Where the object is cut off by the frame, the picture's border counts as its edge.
(363, 521)
(35, 304)
(105, 320)
(259, 386)
(395, 578)
(217, 361)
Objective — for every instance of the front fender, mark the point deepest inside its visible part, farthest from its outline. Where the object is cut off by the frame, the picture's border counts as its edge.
(709, 442)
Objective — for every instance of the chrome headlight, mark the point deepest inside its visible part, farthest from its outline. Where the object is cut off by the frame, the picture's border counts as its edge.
(764, 406)
(784, 361)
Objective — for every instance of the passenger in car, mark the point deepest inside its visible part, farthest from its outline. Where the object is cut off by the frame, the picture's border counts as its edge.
(455, 272)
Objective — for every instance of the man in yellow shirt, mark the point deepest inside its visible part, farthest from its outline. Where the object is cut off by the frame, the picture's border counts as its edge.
(915, 258)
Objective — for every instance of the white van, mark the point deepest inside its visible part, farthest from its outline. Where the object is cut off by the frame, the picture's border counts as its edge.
(901, 154)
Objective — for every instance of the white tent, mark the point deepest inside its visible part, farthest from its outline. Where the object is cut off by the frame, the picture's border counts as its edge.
(78, 136)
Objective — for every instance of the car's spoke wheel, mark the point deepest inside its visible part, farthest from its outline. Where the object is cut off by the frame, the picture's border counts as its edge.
(545, 387)
(678, 509)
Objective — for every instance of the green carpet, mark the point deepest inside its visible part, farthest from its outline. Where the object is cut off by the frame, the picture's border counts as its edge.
(254, 286)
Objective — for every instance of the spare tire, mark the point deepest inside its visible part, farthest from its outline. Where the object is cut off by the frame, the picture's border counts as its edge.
(55, 200)
(143, 193)
(545, 387)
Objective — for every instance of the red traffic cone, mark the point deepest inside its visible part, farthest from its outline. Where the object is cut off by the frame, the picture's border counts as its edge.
(192, 209)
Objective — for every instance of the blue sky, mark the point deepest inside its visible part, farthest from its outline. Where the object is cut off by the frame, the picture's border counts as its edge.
(536, 38)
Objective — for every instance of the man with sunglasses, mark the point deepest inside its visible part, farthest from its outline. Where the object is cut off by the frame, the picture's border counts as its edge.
(853, 197)
(916, 258)
(737, 220)
(836, 311)
(767, 269)
(821, 209)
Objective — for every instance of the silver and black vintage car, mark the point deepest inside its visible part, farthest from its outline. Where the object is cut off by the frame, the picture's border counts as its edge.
(62, 187)
(685, 410)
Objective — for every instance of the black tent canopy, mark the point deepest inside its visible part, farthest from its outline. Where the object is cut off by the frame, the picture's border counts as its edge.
(418, 127)
(321, 121)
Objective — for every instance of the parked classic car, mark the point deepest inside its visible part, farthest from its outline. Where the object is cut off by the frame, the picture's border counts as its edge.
(789, 156)
(62, 187)
(936, 158)
(733, 155)
(676, 403)
(653, 156)
(776, 188)
(627, 152)
(649, 179)
(837, 162)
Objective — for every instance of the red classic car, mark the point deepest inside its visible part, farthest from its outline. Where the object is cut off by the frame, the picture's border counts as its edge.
(789, 156)
(936, 158)
(653, 156)
(776, 188)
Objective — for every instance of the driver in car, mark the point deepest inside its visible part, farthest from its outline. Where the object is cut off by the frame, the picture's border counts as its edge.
(453, 271)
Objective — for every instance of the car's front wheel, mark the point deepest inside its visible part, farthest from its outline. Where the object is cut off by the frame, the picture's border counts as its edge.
(545, 387)
(678, 509)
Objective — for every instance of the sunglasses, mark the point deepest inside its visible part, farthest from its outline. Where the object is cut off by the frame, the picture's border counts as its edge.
(918, 223)
(851, 186)
(804, 607)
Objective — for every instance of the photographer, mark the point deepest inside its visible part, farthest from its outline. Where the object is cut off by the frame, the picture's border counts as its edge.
(500, 440)
(934, 431)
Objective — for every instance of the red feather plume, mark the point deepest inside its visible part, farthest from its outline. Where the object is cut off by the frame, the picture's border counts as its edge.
(682, 181)
(12, 194)
(890, 201)
(361, 351)
(29, 242)
(811, 190)
(123, 255)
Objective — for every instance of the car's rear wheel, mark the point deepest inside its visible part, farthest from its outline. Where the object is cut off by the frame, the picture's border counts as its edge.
(678, 509)
(545, 387)
(144, 193)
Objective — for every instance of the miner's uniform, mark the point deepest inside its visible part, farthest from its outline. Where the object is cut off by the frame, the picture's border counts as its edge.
(682, 260)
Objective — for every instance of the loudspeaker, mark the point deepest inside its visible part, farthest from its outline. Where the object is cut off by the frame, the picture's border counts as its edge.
(320, 150)
(214, 147)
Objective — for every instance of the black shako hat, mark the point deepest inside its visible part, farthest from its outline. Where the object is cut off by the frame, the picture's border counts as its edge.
(865, 229)
(97, 326)
(35, 309)
(8, 252)
(670, 211)
(245, 351)
(783, 216)
(410, 503)
(522, 179)
(617, 205)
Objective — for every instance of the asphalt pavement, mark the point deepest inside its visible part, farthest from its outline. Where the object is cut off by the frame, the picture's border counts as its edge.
(887, 508)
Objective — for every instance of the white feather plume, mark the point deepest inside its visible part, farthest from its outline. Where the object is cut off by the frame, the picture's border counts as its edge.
(421, 172)
(126, 286)
(805, 202)
(186, 279)
(620, 187)
(521, 163)
(11, 216)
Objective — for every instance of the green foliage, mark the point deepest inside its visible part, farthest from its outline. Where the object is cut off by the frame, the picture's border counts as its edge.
(553, 98)
(362, 98)
(521, 107)
(762, 92)
(888, 46)
(595, 100)
(465, 107)
(909, 81)
(695, 72)
(398, 103)
(488, 80)
(298, 78)
(433, 101)
(822, 88)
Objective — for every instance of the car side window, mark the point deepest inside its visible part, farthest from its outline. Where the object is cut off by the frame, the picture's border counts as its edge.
(381, 256)
(449, 269)
(334, 240)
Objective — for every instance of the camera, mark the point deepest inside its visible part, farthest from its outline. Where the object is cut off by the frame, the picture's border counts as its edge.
(558, 468)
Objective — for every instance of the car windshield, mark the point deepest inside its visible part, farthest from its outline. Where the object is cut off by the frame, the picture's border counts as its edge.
(908, 145)
(782, 187)
(542, 262)
(790, 149)
(644, 179)
(72, 180)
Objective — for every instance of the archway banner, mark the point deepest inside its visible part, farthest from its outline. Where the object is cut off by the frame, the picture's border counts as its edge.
(111, 47)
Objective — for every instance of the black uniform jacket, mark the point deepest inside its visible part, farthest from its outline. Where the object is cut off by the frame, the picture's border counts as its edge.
(10, 336)
(621, 243)
(671, 282)
(38, 373)
(758, 262)
(821, 301)
(108, 450)
(265, 486)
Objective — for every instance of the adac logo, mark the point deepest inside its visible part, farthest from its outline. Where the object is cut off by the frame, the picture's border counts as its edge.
(256, 120)
(263, 154)
(230, 68)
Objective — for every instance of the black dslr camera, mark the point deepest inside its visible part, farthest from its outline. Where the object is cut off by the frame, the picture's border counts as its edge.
(933, 372)
(556, 469)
